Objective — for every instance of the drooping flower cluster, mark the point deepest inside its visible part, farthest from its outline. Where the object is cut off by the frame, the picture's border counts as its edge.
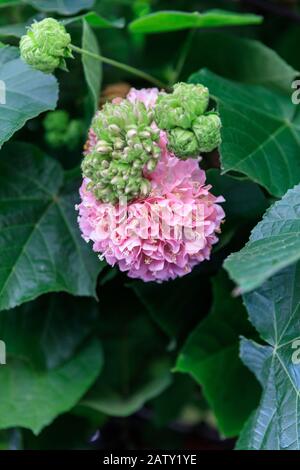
(126, 144)
(165, 233)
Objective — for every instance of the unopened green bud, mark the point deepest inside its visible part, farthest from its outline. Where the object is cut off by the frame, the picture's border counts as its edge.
(181, 107)
(207, 130)
(57, 121)
(195, 97)
(183, 143)
(46, 45)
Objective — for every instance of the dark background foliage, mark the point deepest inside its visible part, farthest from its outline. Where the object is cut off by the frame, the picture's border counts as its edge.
(127, 364)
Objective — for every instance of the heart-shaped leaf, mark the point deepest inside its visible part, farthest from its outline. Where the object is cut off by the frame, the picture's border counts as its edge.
(274, 244)
(41, 249)
(33, 397)
(243, 60)
(24, 92)
(210, 355)
(274, 310)
(261, 132)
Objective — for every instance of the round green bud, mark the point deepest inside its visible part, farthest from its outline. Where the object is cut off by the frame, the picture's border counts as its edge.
(180, 108)
(46, 45)
(195, 97)
(207, 130)
(183, 143)
(56, 120)
(55, 139)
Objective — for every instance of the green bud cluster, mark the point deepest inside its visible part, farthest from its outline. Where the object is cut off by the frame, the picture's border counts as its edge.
(46, 45)
(191, 130)
(127, 144)
(61, 131)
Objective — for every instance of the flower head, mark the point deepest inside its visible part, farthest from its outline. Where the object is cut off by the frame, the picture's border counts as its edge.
(46, 45)
(160, 235)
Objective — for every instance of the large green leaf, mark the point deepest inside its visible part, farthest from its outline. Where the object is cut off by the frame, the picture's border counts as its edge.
(50, 329)
(274, 244)
(261, 132)
(274, 310)
(32, 397)
(242, 60)
(16, 30)
(136, 366)
(210, 355)
(7, 3)
(41, 249)
(51, 359)
(92, 67)
(244, 203)
(64, 7)
(164, 21)
(28, 92)
(244, 199)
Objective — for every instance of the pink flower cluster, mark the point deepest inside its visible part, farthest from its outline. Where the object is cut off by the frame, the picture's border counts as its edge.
(164, 235)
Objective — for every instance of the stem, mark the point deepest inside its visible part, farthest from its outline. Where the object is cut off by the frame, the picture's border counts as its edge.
(183, 55)
(119, 65)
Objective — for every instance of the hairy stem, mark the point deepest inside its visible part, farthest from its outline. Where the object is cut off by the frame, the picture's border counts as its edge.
(120, 65)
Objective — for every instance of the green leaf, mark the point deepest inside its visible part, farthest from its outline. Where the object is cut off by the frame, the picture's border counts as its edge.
(136, 366)
(51, 360)
(64, 7)
(274, 244)
(164, 21)
(32, 397)
(28, 93)
(92, 67)
(15, 30)
(274, 310)
(41, 249)
(244, 199)
(8, 3)
(53, 337)
(244, 203)
(261, 132)
(95, 21)
(210, 355)
(242, 60)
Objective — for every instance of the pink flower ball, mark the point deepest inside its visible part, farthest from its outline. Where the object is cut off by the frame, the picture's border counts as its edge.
(164, 235)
